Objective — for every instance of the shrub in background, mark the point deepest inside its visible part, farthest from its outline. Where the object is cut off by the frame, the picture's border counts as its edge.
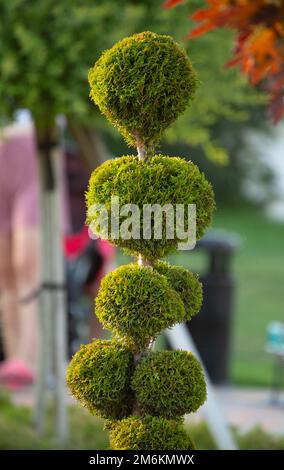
(142, 84)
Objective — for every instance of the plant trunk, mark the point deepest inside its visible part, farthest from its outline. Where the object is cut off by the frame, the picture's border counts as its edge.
(90, 145)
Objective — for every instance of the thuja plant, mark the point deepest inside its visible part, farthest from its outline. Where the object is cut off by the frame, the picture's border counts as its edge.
(142, 84)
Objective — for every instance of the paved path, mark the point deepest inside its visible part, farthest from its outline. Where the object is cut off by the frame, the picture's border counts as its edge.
(244, 408)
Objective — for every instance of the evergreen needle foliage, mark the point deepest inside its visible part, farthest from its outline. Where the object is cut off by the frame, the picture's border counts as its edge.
(169, 384)
(99, 377)
(148, 432)
(142, 84)
(137, 304)
(160, 180)
(186, 284)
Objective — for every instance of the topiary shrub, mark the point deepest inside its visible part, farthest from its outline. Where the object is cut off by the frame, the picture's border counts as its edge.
(99, 377)
(169, 384)
(142, 84)
(162, 180)
(185, 283)
(137, 304)
(150, 433)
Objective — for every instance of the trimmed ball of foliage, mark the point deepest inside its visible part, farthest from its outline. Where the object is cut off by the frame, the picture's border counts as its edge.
(185, 283)
(99, 377)
(169, 384)
(136, 303)
(142, 84)
(149, 433)
(160, 180)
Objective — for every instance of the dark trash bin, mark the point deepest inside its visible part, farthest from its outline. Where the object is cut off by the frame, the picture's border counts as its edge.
(211, 328)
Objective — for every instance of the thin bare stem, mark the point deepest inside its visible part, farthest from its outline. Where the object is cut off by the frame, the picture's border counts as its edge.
(141, 153)
(143, 262)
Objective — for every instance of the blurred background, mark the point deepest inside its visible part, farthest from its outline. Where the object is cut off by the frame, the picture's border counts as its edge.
(52, 137)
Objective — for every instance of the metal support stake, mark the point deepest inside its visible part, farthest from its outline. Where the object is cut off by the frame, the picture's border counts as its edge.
(180, 338)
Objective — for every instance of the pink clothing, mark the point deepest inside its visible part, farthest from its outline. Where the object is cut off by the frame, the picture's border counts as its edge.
(19, 189)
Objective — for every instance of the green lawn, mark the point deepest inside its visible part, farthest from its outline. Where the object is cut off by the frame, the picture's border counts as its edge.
(258, 268)
(87, 432)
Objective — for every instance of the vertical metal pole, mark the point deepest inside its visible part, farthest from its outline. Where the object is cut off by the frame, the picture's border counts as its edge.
(52, 314)
(60, 321)
(45, 309)
(276, 383)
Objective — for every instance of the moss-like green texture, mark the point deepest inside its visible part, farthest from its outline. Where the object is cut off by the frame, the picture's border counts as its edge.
(185, 283)
(99, 377)
(142, 84)
(137, 303)
(160, 180)
(149, 433)
(169, 384)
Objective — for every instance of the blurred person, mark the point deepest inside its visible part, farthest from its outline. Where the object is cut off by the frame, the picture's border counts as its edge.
(19, 254)
(97, 256)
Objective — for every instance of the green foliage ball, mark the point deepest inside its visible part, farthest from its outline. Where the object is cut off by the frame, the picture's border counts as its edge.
(160, 180)
(169, 384)
(137, 303)
(149, 433)
(185, 283)
(99, 378)
(142, 84)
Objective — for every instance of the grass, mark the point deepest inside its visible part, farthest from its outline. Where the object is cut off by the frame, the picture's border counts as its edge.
(258, 269)
(16, 430)
(259, 272)
(87, 432)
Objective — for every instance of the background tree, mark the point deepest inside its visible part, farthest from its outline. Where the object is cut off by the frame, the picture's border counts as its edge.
(259, 40)
(46, 50)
